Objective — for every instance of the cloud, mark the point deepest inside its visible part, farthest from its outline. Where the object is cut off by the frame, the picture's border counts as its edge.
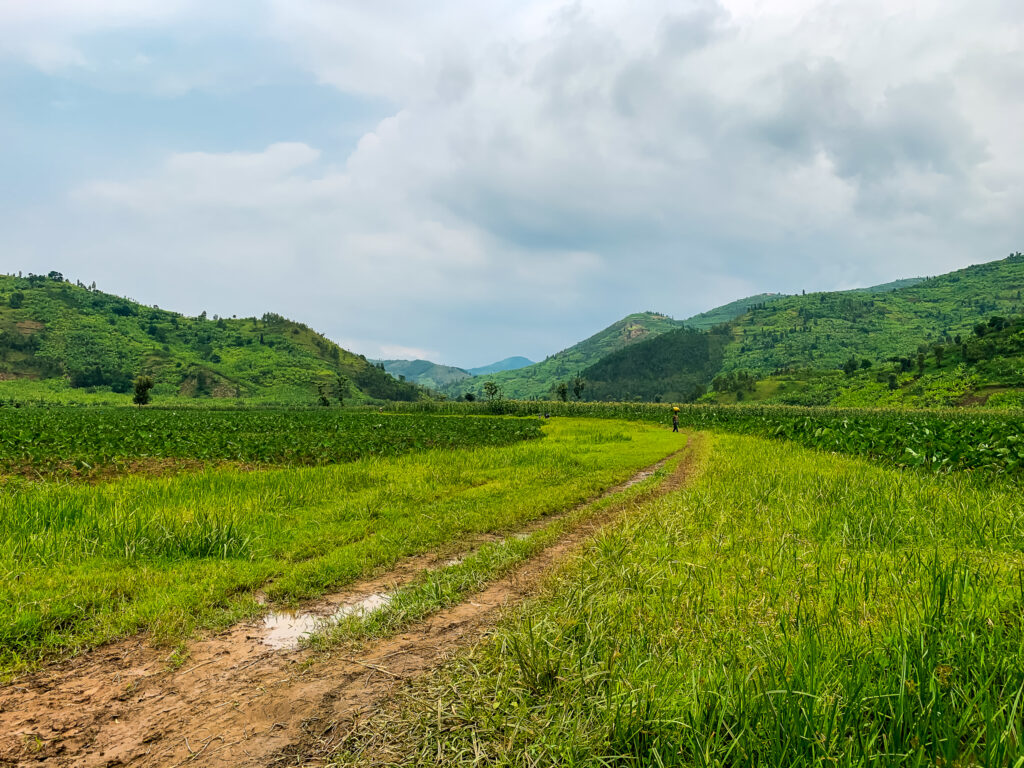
(48, 34)
(398, 352)
(542, 168)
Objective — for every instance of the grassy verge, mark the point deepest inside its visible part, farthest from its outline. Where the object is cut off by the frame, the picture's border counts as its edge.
(788, 608)
(81, 565)
(450, 584)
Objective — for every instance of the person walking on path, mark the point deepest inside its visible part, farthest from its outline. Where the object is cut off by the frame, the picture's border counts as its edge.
(675, 418)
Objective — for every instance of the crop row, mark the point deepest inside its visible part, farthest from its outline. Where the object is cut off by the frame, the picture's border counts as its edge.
(81, 440)
(934, 439)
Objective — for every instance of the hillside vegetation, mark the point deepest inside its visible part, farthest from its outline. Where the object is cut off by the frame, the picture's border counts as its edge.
(676, 369)
(705, 321)
(537, 380)
(984, 367)
(69, 341)
(823, 331)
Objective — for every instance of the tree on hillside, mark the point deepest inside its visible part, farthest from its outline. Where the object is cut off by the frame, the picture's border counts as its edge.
(850, 366)
(491, 390)
(16, 299)
(920, 363)
(578, 385)
(940, 352)
(342, 388)
(562, 390)
(470, 397)
(142, 386)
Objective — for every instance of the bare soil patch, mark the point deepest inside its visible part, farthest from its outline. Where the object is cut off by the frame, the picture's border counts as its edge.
(28, 327)
(239, 701)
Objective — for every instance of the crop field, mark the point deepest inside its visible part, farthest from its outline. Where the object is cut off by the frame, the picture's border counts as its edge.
(936, 440)
(774, 586)
(82, 564)
(83, 441)
(788, 608)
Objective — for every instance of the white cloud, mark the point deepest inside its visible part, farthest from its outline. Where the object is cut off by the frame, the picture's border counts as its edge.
(398, 352)
(46, 33)
(549, 166)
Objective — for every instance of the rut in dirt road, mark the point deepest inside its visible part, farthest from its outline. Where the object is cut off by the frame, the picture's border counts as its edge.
(238, 701)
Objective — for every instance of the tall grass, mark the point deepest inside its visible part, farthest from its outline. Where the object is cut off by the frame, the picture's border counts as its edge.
(80, 565)
(788, 609)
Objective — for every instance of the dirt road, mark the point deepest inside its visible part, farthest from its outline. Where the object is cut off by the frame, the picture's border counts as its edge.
(251, 695)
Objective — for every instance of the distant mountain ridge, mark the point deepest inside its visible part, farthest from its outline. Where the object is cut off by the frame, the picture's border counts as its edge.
(425, 373)
(437, 377)
(508, 364)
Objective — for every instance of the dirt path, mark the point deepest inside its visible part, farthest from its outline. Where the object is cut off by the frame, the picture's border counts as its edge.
(249, 696)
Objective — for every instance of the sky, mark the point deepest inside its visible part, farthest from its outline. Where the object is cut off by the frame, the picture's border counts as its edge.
(464, 181)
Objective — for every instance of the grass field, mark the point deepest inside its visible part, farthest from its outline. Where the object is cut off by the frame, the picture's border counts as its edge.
(788, 608)
(83, 564)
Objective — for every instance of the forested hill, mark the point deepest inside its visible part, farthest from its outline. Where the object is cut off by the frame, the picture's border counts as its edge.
(51, 329)
(538, 380)
(819, 331)
(677, 368)
(425, 373)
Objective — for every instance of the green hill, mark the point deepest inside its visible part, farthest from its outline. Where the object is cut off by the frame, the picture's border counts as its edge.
(508, 364)
(537, 380)
(895, 285)
(728, 312)
(825, 330)
(675, 369)
(67, 341)
(984, 367)
(425, 373)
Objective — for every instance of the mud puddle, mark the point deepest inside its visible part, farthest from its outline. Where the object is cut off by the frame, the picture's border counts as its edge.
(286, 629)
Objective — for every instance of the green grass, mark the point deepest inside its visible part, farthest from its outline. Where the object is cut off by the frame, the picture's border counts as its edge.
(81, 565)
(446, 586)
(789, 608)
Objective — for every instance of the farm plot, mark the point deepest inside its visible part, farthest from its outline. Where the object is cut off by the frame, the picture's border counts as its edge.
(83, 564)
(788, 608)
(76, 441)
